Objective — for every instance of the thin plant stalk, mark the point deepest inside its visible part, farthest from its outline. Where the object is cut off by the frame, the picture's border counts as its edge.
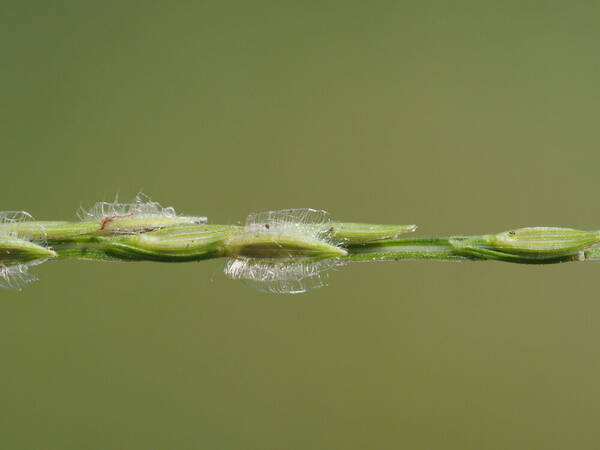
(284, 251)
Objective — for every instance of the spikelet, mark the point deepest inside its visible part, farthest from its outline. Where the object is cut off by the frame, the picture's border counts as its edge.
(17, 253)
(140, 215)
(285, 252)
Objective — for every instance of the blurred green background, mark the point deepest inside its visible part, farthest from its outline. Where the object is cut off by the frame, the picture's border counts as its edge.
(462, 117)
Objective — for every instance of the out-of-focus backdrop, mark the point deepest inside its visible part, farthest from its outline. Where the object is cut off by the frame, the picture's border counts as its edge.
(461, 117)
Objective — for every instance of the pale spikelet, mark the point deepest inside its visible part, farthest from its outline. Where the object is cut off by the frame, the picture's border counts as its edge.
(284, 252)
(17, 253)
(141, 214)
